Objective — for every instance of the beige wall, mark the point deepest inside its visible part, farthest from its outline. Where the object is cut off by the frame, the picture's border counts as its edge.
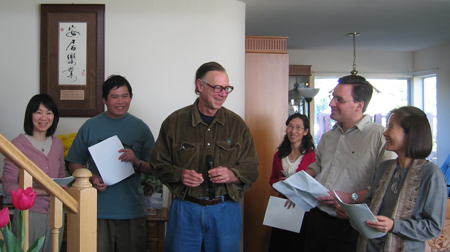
(157, 45)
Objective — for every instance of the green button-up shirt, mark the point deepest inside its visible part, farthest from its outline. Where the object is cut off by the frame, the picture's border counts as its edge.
(185, 140)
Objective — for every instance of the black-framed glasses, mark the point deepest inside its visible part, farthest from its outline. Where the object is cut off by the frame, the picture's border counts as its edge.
(338, 99)
(218, 88)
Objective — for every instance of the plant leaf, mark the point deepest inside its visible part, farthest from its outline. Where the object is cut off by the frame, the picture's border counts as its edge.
(21, 227)
(11, 242)
(2, 245)
(37, 245)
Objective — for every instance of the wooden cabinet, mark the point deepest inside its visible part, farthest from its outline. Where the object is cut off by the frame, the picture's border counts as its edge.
(156, 230)
(266, 110)
(300, 73)
(299, 70)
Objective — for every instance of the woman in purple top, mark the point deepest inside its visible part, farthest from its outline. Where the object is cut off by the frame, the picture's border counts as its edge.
(47, 152)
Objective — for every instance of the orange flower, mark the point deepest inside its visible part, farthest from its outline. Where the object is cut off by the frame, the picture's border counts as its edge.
(23, 199)
(4, 217)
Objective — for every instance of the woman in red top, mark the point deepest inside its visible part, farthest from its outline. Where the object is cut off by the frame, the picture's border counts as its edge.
(294, 154)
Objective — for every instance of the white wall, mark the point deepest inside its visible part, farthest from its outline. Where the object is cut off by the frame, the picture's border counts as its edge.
(439, 57)
(156, 44)
(340, 63)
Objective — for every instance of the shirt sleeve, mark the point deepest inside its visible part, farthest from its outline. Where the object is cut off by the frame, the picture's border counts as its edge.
(316, 165)
(149, 142)
(276, 170)
(79, 152)
(10, 177)
(429, 214)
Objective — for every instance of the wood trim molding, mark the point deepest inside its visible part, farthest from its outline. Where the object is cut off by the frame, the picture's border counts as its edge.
(264, 44)
(299, 70)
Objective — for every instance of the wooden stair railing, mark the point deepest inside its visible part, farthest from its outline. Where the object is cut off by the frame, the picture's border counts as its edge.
(80, 201)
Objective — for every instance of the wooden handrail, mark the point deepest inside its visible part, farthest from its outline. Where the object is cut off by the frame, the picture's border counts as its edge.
(23, 162)
(80, 202)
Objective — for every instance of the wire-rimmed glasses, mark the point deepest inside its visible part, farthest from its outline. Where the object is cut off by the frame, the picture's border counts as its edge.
(338, 99)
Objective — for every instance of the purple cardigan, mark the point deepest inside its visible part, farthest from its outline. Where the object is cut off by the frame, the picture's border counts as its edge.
(52, 165)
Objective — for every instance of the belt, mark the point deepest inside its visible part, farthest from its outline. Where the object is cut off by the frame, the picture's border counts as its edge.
(207, 202)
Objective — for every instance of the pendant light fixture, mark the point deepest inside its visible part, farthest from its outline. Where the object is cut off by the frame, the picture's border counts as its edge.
(354, 35)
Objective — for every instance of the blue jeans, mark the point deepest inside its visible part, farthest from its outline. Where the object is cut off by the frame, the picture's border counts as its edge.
(204, 228)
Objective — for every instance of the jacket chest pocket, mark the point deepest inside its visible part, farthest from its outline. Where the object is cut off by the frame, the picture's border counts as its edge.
(227, 153)
(187, 155)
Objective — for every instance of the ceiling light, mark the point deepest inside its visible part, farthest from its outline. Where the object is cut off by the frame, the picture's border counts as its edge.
(354, 34)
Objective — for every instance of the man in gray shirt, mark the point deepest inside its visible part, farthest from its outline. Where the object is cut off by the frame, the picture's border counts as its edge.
(346, 161)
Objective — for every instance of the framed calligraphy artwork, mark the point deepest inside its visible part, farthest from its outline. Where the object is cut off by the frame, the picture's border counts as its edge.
(73, 57)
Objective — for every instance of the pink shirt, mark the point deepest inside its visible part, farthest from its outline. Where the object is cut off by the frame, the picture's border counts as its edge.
(52, 165)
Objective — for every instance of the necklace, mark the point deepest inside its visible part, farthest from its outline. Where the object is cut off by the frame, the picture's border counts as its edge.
(292, 158)
(43, 145)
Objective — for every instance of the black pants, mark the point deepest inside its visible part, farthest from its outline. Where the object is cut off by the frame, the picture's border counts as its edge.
(287, 241)
(327, 233)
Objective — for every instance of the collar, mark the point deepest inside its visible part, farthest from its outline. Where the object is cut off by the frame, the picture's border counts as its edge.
(196, 118)
(115, 119)
(359, 125)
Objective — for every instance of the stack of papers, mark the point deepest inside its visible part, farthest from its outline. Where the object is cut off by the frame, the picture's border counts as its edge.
(302, 189)
(277, 215)
(358, 215)
(64, 181)
(60, 181)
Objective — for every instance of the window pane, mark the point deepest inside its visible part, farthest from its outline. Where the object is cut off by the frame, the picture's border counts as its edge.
(388, 94)
(429, 104)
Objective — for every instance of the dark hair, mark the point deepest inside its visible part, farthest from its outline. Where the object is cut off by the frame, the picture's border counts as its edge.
(204, 69)
(361, 90)
(307, 141)
(33, 106)
(417, 128)
(115, 81)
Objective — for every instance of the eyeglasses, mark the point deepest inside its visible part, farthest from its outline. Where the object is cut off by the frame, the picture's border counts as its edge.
(218, 88)
(292, 127)
(338, 99)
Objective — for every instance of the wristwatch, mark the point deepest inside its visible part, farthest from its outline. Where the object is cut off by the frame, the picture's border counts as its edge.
(355, 198)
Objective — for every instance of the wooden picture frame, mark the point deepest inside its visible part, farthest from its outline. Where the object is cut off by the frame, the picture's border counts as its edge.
(73, 78)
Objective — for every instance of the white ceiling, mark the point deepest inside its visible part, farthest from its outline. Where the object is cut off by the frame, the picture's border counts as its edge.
(385, 25)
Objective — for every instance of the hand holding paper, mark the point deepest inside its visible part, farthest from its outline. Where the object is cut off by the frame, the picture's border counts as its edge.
(358, 215)
(384, 224)
(302, 189)
(277, 215)
(106, 156)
